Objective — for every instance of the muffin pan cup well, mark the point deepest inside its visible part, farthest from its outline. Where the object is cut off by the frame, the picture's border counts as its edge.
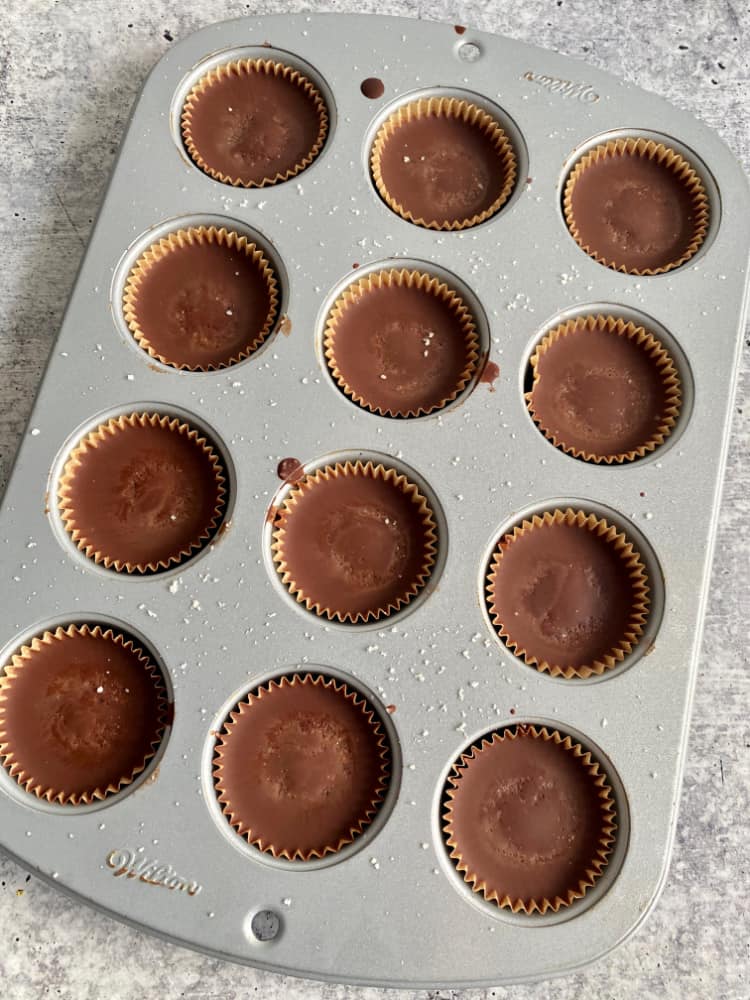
(389, 913)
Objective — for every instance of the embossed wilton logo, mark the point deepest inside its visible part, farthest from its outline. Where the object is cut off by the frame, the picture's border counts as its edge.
(152, 872)
(565, 88)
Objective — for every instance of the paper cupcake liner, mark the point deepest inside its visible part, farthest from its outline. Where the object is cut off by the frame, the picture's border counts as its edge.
(579, 885)
(308, 483)
(381, 748)
(247, 67)
(661, 154)
(93, 440)
(172, 243)
(448, 107)
(650, 346)
(22, 661)
(632, 565)
(410, 279)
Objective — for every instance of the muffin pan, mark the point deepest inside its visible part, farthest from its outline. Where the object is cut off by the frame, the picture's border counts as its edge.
(385, 902)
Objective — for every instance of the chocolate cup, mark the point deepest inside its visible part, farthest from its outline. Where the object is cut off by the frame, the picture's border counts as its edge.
(571, 605)
(401, 343)
(57, 724)
(301, 767)
(455, 148)
(636, 206)
(604, 389)
(529, 819)
(142, 492)
(283, 128)
(354, 542)
(201, 299)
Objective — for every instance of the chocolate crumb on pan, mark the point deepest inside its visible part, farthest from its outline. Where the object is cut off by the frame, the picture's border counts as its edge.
(142, 492)
(568, 593)
(372, 88)
(529, 819)
(443, 163)
(302, 766)
(401, 343)
(254, 122)
(82, 711)
(604, 389)
(354, 542)
(636, 206)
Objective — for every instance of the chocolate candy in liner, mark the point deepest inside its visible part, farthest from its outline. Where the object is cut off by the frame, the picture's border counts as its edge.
(142, 492)
(568, 593)
(82, 711)
(443, 163)
(201, 299)
(604, 389)
(636, 206)
(302, 766)
(401, 343)
(529, 819)
(254, 122)
(354, 542)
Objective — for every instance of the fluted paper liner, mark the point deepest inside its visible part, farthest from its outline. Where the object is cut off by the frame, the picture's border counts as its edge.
(650, 346)
(24, 660)
(632, 565)
(247, 67)
(94, 439)
(448, 107)
(173, 243)
(661, 154)
(582, 882)
(427, 284)
(381, 749)
(374, 471)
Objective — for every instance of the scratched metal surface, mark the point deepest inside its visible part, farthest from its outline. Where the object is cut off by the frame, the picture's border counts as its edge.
(722, 661)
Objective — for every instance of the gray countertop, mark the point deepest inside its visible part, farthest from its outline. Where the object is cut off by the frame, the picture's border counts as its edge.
(69, 72)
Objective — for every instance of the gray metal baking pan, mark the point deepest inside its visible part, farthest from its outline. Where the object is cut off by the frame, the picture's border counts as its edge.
(391, 910)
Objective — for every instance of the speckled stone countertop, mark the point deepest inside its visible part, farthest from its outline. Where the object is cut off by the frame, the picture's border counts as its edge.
(69, 72)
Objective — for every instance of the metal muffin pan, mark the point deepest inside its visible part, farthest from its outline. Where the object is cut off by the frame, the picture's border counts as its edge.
(390, 910)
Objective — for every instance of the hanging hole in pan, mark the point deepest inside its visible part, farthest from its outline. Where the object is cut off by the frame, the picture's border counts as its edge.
(469, 52)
